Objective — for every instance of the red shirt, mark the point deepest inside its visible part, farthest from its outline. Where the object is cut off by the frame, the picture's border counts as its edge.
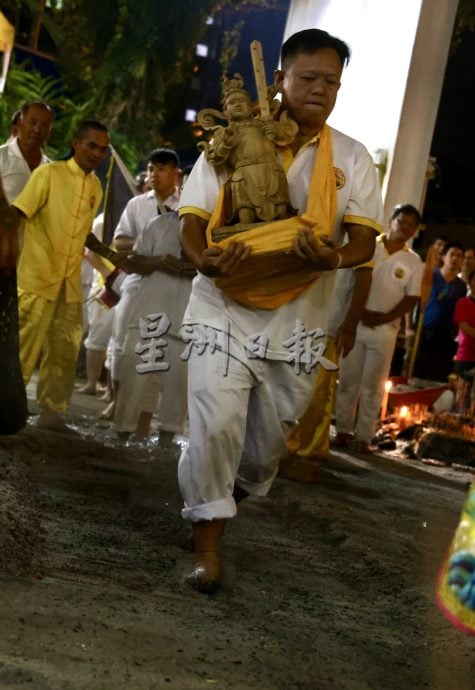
(465, 313)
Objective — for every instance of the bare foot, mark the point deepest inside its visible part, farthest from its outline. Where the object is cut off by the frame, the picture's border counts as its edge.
(51, 421)
(107, 413)
(87, 389)
(106, 395)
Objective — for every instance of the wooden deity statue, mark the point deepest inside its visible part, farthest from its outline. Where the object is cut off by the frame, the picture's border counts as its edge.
(256, 189)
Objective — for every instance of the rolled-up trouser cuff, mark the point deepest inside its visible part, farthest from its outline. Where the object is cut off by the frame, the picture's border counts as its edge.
(254, 489)
(217, 510)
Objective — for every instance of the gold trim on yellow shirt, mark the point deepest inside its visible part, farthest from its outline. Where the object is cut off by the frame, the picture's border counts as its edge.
(195, 210)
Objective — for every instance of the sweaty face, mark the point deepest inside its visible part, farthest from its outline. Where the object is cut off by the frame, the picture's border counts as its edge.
(34, 126)
(238, 106)
(310, 86)
(90, 151)
(403, 227)
(163, 178)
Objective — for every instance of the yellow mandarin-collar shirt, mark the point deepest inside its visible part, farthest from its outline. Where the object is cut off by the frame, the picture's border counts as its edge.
(60, 202)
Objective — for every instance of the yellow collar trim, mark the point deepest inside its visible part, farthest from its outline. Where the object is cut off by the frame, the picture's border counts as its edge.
(382, 237)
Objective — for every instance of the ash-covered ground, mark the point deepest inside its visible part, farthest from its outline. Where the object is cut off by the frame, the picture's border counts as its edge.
(326, 587)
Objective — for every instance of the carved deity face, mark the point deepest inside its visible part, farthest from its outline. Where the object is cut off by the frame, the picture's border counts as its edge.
(238, 106)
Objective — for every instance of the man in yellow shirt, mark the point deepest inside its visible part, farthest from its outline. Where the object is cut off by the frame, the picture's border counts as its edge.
(59, 203)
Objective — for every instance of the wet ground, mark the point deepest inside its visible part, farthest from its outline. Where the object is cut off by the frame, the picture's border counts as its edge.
(326, 587)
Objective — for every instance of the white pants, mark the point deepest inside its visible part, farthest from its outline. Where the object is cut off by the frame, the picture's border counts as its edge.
(101, 319)
(162, 392)
(361, 380)
(238, 426)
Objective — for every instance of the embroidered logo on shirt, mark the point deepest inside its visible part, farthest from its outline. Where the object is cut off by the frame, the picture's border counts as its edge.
(399, 272)
(340, 178)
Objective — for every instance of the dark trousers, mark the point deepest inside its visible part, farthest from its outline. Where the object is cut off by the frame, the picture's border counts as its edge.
(435, 354)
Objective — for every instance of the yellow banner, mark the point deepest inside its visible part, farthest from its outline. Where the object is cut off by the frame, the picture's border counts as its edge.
(7, 34)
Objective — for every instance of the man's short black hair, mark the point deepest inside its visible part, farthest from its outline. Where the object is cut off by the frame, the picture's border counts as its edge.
(38, 104)
(453, 245)
(309, 41)
(164, 156)
(409, 209)
(86, 125)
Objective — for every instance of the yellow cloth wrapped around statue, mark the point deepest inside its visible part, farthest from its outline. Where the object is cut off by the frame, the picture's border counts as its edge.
(456, 585)
(274, 275)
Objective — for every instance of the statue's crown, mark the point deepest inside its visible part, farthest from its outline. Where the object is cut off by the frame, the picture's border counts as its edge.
(230, 85)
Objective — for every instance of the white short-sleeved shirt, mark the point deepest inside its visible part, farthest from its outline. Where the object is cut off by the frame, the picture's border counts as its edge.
(395, 276)
(14, 170)
(140, 210)
(159, 291)
(359, 201)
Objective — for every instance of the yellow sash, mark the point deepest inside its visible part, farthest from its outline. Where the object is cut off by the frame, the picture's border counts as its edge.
(311, 437)
(271, 277)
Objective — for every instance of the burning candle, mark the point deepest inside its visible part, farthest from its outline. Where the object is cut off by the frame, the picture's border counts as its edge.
(403, 417)
(384, 405)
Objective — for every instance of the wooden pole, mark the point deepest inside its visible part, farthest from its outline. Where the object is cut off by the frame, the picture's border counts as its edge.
(260, 77)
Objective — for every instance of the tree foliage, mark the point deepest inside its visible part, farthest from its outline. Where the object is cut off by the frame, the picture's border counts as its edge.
(128, 61)
(25, 84)
(464, 22)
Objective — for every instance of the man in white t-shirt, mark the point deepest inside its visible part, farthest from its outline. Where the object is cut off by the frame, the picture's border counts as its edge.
(20, 156)
(395, 290)
(246, 386)
(163, 170)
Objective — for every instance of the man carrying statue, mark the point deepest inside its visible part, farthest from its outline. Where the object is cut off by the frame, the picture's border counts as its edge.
(257, 316)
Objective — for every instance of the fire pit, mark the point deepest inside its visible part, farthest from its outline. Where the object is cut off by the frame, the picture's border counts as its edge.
(442, 438)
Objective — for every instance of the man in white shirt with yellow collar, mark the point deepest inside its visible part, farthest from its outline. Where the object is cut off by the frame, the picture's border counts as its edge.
(395, 290)
(242, 407)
